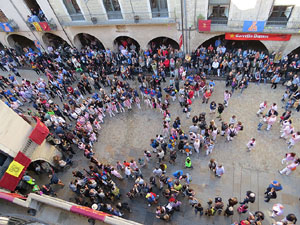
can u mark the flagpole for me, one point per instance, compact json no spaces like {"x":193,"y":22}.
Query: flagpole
{"x":11,"y":2}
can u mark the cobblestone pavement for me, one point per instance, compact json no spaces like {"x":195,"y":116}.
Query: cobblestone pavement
{"x":127,"y":135}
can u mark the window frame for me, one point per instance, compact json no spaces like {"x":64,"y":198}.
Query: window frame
{"x":3,"y":16}
{"x":114,"y":14}
{"x":279,"y":20}
{"x":74,"y":15}
{"x":159,"y":12}
{"x":218,"y":19}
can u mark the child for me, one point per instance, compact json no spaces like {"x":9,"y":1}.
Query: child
{"x":199,"y":208}
{"x":285,"y":96}
{"x":251,"y":144}
{"x":262,"y":120}
{"x":242,"y":209}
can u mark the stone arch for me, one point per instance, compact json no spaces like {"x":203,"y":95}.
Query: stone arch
{"x":162,"y":40}
{"x":20,"y":43}
{"x":256,"y":45}
{"x":54,"y":40}
{"x":126,"y":42}
{"x":85,"y":39}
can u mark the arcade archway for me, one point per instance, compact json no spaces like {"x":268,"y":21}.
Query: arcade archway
{"x":127,"y":43}
{"x":20,"y":43}
{"x":54,"y":41}
{"x":163,"y":41}
{"x":83,"y":40}
{"x":232,"y":44}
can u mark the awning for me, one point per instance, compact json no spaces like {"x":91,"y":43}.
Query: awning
{"x":15,"y":172}
{"x":39,"y":133}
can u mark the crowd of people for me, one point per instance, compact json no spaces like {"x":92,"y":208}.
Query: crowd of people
{"x":77,"y":90}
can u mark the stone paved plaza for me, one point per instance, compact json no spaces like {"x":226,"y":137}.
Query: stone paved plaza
{"x":127,"y":135}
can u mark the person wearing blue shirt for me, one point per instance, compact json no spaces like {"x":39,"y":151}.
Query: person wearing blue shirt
{"x":178,"y":174}
{"x":275,"y":80}
{"x":217,"y":42}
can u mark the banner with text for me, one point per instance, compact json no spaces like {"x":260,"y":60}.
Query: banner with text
{"x":258,"y":37}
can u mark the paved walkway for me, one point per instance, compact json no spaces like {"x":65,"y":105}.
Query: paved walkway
{"x":127,"y":135}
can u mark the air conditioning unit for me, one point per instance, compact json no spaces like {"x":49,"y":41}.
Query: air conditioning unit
{"x":136,"y":19}
{"x":94,"y":20}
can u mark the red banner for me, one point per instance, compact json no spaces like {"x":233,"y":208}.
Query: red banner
{"x":85,"y":211}
{"x":204,"y":25}
{"x":260,"y":37}
{"x":39,"y":133}
{"x":9,"y":180}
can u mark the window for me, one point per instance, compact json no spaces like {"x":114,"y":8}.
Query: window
{"x":36,"y":12}
{"x":3,"y":18}
{"x":159,"y":8}
{"x":218,"y":11}
{"x":280,"y":15}
{"x":73,"y":10}
{"x":113,"y":9}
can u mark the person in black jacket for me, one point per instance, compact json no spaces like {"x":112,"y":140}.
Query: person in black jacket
{"x":250,"y":197}
{"x":270,"y":194}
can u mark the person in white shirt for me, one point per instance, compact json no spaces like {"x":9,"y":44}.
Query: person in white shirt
{"x":215,"y":66}
{"x":220,"y":170}
{"x":277,"y":210}
{"x":197,"y":145}
{"x":288,"y":130}
{"x":262,"y":107}
{"x":289,"y":168}
{"x":270,"y":121}
{"x":294,"y":139}
{"x":251,"y":144}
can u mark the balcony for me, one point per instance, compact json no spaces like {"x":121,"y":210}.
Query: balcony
{"x":277,"y":23}
{"x":219,"y":20}
{"x":119,"y":19}
{"x":50,"y":22}
{"x":270,"y":27}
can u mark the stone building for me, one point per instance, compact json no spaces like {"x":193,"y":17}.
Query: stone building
{"x":108,"y":22}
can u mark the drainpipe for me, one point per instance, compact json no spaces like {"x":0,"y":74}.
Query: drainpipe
{"x":182,"y":28}
{"x":185,"y":27}
{"x":11,"y":2}
{"x":61,"y":24}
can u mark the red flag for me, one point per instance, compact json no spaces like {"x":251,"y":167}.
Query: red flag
{"x":15,"y":172}
{"x":39,"y":133}
{"x":180,"y":42}
{"x":45,"y":26}
{"x":204,"y":25}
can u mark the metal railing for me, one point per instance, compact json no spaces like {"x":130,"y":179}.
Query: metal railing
{"x":114,"y":18}
{"x":218,"y":25}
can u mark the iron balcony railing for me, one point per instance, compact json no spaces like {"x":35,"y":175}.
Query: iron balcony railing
{"x":115,"y":18}
{"x":224,"y":25}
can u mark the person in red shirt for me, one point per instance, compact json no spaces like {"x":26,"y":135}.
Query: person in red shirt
{"x":70,"y":90}
{"x":167,"y":63}
{"x":206,"y":96}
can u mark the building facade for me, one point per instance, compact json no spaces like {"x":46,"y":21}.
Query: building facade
{"x":107,"y":22}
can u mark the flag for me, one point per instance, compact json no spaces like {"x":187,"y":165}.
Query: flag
{"x":45,"y":26}
{"x":39,"y":133}
{"x":180,"y":42}
{"x":37,"y":45}
{"x":15,"y":172}
{"x":253,"y":26}
{"x":6,"y":27}
{"x":37,"y":26}
{"x":204,"y":25}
